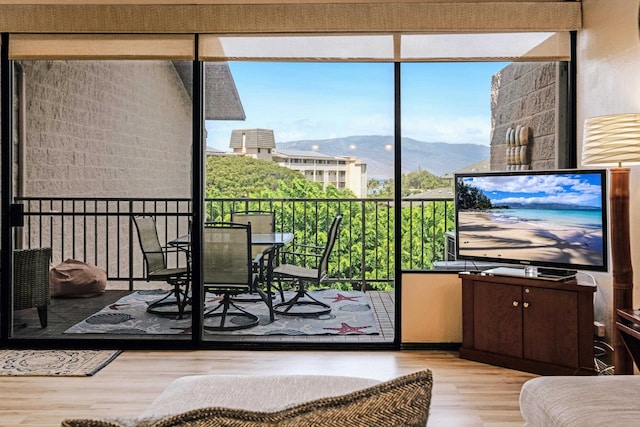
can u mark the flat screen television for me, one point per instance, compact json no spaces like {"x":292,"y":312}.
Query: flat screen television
{"x":549,"y":218}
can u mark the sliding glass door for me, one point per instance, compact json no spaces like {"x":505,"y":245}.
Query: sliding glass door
{"x":100,"y":141}
{"x":313,"y":137}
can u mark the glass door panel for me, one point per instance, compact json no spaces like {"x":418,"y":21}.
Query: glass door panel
{"x":471,"y":117}
{"x":306,"y":144}
{"x":101,"y":140}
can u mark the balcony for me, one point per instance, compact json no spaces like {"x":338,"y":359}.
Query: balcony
{"x":100,"y":231}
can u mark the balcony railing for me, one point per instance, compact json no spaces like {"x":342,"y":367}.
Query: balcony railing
{"x":100,"y":231}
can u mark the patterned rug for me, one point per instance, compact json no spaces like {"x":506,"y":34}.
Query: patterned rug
{"x":47,"y":363}
{"x":350,"y":314}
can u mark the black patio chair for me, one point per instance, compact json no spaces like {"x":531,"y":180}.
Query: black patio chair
{"x":261,"y":222}
{"x":178,"y":300}
{"x":303,"y":304}
{"x":228,"y":271}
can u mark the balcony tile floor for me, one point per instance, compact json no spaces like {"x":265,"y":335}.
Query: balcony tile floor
{"x":65,"y":312}
{"x":383,"y":304}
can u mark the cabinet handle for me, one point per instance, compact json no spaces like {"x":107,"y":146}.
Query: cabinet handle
{"x":515,"y":303}
{"x":526,"y":304}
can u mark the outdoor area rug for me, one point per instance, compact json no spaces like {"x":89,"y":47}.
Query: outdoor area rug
{"x":48,"y":363}
{"x":350,"y":314}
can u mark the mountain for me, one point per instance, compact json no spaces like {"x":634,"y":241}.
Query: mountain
{"x":438,"y":158}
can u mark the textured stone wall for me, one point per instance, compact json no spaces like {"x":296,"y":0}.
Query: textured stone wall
{"x":107,"y":129}
{"x":118,"y":129}
{"x":524,"y":94}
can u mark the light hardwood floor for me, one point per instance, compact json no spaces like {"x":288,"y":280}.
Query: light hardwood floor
{"x":465,"y":393}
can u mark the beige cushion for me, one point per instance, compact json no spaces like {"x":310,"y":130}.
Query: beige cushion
{"x":607,"y":400}
{"x":402,"y":402}
{"x":73,"y":278}
{"x":250,"y":392}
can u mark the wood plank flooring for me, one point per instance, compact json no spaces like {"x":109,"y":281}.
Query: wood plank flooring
{"x":465,"y":393}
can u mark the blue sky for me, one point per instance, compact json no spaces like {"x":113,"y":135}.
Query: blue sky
{"x":441,"y":102}
{"x":575,"y":189}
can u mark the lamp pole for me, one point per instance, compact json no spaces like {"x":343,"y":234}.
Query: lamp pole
{"x":621,"y":263}
{"x":612,"y":140}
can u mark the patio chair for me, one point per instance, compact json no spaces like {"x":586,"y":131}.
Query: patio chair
{"x":261,"y":222}
{"x":303,"y":304}
{"x":228,"y":271}
{"x":176,"y":302}
{"x":31,"y":281}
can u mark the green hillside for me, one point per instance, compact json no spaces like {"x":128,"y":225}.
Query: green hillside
{"x":412,"y":183}
{"x":237,"y":176}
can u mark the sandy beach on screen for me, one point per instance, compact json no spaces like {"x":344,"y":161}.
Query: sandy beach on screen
{"x":479,"y":235}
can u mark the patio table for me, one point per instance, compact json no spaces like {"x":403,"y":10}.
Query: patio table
{"x":267,"y":239}
{"x":274,"y":240}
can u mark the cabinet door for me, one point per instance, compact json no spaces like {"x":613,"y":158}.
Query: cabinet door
{"x":498,"y":318}
{"x":550,"y":326}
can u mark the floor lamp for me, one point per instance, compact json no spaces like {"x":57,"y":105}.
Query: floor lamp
{"x":614,"y":140}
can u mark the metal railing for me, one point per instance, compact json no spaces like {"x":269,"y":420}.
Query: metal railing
{"x":100,"y":231}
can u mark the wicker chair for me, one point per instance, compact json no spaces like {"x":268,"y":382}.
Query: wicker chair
{"x":31,"y":281}
{"x":303,"y":304}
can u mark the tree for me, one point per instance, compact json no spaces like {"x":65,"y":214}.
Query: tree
{"x":240,"y":176}
{"x":412,"y":183}
{"x":471,"y":197}
{"x":420,"y":181}
{"x":236,"y":176}
{"x":367,"y":241}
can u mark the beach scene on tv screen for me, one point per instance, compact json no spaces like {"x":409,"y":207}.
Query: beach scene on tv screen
{"x":555,"y":218}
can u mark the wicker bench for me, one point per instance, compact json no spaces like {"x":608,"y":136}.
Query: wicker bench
{"x":286,"y":400}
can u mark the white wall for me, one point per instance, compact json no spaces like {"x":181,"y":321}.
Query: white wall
{"x":608,"y":70}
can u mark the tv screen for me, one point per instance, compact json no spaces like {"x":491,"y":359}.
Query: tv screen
{"x":551,"y":218}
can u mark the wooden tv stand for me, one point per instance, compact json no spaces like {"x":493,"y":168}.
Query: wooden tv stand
{"x":528,"y":324}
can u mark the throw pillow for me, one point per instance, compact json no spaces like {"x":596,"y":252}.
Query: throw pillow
{"x":401,"y":402}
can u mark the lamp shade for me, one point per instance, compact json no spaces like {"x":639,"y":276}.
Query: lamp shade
{"x":611,"y":140}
